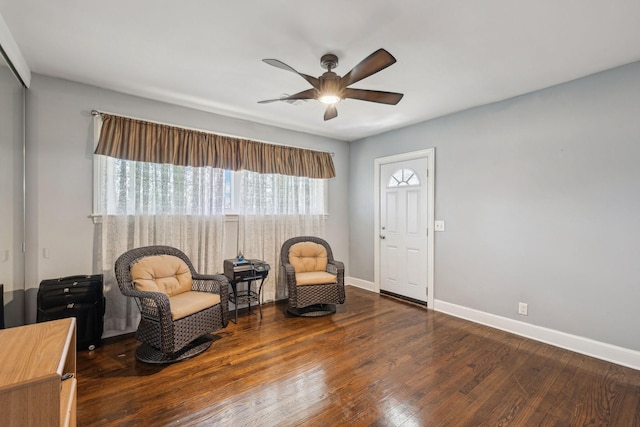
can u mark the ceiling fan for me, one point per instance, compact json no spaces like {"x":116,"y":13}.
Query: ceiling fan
{"x":330,"y":88}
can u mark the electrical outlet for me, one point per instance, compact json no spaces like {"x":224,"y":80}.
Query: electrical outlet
{"x":438,"y":225}
{"x":523,"y":308}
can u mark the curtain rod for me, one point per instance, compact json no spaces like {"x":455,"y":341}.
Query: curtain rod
{"x":100,"y":113}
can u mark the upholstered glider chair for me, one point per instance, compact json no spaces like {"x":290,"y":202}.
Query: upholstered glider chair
{"x":179,"y":308}
{"x":314,"y":279}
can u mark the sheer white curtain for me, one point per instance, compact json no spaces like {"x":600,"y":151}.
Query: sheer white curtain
{"x":141,"y":204}
{"x":272,"y":209}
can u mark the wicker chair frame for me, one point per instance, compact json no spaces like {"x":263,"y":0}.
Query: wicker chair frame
{"x":311,"y":300}
{"x":165,"y":340}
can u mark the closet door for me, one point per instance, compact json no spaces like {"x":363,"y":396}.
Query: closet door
{"x":11,"y":194}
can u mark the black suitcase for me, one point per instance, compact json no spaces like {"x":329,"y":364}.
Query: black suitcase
{"x":81,"y":297}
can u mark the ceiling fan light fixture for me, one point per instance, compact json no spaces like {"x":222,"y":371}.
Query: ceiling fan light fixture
{"x":329,"y":98}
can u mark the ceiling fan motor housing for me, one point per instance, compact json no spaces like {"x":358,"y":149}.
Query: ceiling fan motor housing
{"x":330,"y":85}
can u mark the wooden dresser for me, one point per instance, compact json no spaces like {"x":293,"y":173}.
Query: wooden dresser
{"x":34,"y":359}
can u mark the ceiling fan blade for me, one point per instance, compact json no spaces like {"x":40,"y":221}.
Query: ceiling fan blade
{"x":377,"y":61}
{"x":391,"y":98}
{"x":305,"y":94}
{"x":279,"y":64}
{"x":330,"y":113}
{"x":267,"y":101}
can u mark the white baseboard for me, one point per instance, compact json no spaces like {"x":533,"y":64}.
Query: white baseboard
{"x":599,"y":350}
{"x":611,"y":353}
{"x":359,"y":283}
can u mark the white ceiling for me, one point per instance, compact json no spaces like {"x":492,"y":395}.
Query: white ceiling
{"x":452,"y":54}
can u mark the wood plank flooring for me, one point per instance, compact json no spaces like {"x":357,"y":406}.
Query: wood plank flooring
{"x":376,"y":362}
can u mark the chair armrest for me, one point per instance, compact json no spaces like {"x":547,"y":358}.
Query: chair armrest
{"x":335,"y":267}
{"x":289,"y":279}
{"x":155,"y":296}
{"x":154,"y":305}
{"x":215,"y":284}
{"x":289,"y":270}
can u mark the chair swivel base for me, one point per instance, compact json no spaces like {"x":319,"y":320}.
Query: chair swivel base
{"x":316,"y":310}
{"x":148,"y":354}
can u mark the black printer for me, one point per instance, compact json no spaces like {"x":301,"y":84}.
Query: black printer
{"x":239,"y":270}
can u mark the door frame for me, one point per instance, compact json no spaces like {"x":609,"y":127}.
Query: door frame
{"x":429,"y":153}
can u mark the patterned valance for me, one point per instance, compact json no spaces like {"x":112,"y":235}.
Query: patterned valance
{"x":133,"y":139}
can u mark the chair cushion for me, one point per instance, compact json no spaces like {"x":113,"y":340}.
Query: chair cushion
{"x":186,"y":303}
{"x":161,"y":273}
{"x":308,"y":256}
{"x":315,"y":278}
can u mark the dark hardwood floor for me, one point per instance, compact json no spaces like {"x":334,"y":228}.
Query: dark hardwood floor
{"x":377,"y":361}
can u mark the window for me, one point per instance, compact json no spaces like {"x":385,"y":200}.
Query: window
{"x":125,"y":187}
{"x":271,"y":194}
{"x":403,"y":177}
{"x":228,"y":191}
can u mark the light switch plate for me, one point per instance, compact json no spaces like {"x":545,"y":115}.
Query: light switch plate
{"x":438,"y":225}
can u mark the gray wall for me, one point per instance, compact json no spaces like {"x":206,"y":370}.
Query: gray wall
{"x":541,"y":198}
{"x":59,"y":148}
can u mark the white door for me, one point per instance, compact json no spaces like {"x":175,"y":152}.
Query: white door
{"x":403,"y":228}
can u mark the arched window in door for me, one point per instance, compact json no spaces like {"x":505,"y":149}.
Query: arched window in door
{"x":403,"y":177}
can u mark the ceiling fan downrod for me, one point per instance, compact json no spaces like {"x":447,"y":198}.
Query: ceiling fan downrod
{"x":329,"y":61}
